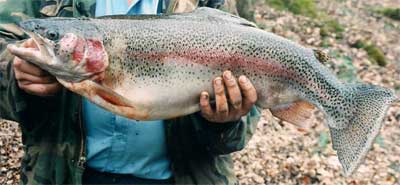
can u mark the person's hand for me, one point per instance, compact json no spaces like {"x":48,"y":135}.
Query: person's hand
{"x":242,"y":97}
{"x":32,"y":79}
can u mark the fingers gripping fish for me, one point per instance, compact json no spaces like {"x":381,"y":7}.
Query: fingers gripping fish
{"x":156,"y":66}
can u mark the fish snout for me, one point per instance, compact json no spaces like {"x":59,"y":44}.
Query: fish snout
{"x":30,"y":25}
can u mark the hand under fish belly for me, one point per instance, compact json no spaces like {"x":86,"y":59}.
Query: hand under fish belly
{"x":159,"y":72}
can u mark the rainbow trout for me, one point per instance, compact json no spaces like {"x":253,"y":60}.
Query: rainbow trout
{"x":156,"y":67}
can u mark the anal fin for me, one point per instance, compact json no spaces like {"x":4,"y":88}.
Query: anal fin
{"x":296,"y":113}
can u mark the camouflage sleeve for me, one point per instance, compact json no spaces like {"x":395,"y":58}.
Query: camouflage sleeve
{"x":11,"y":12}
{"x":11,"y":97}
{"x":212,"y":3}
{"x":226,"y":138}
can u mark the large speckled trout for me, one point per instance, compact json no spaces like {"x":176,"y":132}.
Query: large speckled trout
{"x":156,"y":67}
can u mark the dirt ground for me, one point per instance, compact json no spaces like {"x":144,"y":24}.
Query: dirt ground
{"x":280,"y":153}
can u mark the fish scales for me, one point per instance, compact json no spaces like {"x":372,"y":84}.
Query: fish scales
{"x":156,"y":67}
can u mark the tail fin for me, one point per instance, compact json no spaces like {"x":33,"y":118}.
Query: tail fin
{"x":368,"y":108}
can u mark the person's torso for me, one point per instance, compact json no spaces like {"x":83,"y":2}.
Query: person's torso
{"x":119,"y":145}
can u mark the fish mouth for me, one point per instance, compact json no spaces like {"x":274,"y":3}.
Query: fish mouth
{"x":40,"y":53}
{"x":43,"y":53}
{"x":44,"y":45}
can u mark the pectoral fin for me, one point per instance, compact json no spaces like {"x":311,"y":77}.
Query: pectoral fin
{"x":296,"y":113}
{"x":107,"y":98}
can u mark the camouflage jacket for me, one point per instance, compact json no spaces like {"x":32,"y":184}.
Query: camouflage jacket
{"x":53,"y":132}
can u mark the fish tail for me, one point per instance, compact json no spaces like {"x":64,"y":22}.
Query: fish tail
{"x":357,"y":121}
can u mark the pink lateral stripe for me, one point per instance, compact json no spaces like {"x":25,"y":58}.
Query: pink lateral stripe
{"x":217,"y":59}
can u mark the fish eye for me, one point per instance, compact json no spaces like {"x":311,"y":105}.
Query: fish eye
{"x":52,"y":35}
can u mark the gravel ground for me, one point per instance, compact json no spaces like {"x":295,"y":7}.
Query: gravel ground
{"x":11,"y":152}
{"x":280,"y":153}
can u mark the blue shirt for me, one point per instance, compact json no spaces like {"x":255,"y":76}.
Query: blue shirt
{"x":122,"y":7}
{"x":119,"y":145}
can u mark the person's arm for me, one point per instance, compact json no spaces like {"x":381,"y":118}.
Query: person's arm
{"x":11,"y":98}
{"x":220,"y":139}
{"x":17,"y":77}
{"x":229,"y":125}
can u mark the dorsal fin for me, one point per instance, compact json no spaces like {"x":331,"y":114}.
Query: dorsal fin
{"x":321,"y":56}
{"x":200,"y":14}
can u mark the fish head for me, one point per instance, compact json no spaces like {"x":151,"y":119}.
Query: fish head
{"x":44,"y":28}
{"x":70,"y":49}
